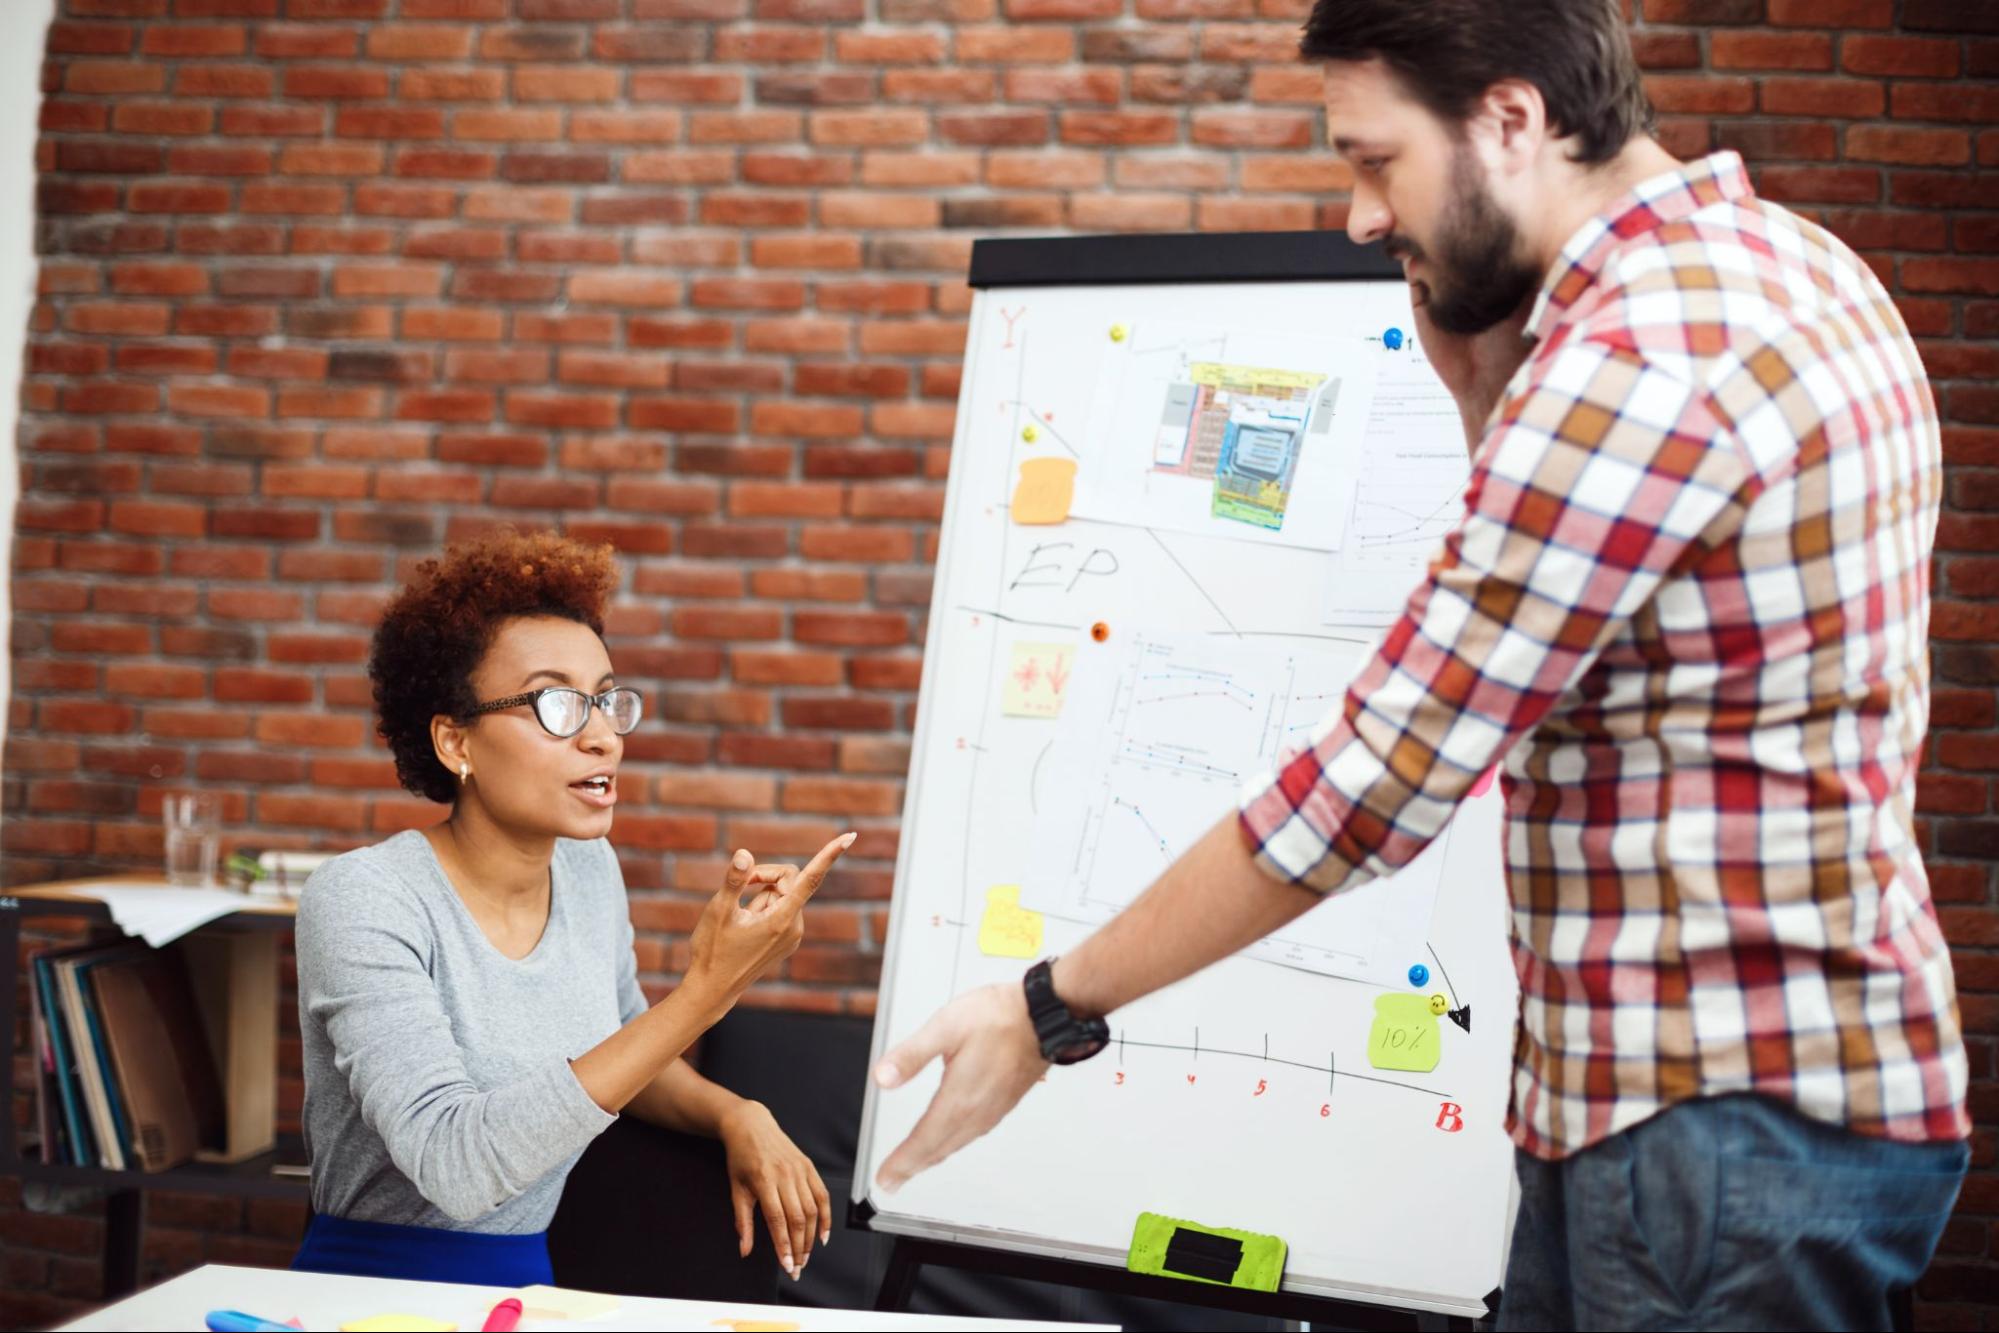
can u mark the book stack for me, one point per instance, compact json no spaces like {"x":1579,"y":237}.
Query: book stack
{"x":126,"y":1078}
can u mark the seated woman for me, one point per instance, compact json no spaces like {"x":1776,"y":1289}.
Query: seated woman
{"x":468,"y":993}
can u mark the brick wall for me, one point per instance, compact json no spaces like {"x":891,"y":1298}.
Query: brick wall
{"x":327,"y":282}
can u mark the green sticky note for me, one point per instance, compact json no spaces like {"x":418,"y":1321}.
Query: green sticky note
{"x":1404,"y":1035}
{"x":1221,"y":1256}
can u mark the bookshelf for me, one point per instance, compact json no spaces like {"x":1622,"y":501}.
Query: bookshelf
{"x":124,"y":1215}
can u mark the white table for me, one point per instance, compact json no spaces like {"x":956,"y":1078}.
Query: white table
{"x":322,"y":1301}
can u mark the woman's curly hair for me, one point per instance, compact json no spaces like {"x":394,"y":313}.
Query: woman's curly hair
{"x":436,"y":631}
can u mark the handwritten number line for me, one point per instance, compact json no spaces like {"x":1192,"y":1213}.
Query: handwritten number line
{"x":1199,"y":1050}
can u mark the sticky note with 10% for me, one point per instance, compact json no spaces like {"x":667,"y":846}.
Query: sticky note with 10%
{"x":1404,"y":1035}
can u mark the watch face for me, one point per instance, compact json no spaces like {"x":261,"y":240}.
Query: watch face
{"x":1081,"y":1049}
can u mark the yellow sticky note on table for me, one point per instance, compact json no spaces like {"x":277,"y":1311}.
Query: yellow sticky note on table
{"x":398,"y":1323}
{"x":1047,"y":488}
{"x":1404,"y":1035}
{"x":1008,"y":930}
{"x":1037,"y":679}
{"x":545,"y":1302}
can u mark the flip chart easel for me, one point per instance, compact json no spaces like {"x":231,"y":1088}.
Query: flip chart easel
{"x":1193,"y":478}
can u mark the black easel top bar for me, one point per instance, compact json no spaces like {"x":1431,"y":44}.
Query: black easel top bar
{"x":1243,"y":256}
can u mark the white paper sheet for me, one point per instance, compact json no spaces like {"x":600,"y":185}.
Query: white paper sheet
{"x":160,"y":914}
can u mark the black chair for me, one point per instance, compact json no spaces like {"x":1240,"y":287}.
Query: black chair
{"x":646,"y":1212}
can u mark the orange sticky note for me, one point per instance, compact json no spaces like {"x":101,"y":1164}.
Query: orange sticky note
{"x":1046,"y":490}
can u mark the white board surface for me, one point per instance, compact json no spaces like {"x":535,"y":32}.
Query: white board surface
{"x":1245,"y":1096}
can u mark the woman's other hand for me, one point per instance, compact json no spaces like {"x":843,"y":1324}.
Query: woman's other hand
{"x":766,"y":1170}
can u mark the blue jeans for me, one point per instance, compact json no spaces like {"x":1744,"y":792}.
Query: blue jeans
{"x":1728,"y":1212}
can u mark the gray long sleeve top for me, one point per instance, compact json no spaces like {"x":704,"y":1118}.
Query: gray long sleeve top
{"x":438,"y":1091}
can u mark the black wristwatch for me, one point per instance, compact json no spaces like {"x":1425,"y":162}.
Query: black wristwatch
{"x":1065,"y":1038}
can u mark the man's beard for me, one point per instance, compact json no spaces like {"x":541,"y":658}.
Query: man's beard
{"x":1477,"y":275}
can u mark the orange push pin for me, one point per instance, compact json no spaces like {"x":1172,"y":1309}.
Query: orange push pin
{"x":1100,"y":631}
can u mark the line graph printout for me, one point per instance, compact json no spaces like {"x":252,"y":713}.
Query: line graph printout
{"x":1238,"y":434}
{"x":1408,"y":493}
{"x":1156,"y":742}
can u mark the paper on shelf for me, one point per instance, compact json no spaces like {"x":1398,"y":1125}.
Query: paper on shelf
{"x":161,"y":914}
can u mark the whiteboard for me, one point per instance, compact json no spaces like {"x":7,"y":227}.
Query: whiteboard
{"x":1247,"y":1096}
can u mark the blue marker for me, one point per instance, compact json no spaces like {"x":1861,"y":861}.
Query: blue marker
{"x":1393,"y":341}
{"x":235,"y":1321}
{"x":1419,"y":975}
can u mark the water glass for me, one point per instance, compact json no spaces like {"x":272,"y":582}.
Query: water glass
{"x":193,"y":836}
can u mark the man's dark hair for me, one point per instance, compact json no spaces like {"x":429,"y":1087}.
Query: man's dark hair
{"x":1448,"y":52}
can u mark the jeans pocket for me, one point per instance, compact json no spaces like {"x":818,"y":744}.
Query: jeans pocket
{"x":1643,"y":1232}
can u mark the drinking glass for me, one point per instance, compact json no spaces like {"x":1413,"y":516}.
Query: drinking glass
{"x":193,"y":836}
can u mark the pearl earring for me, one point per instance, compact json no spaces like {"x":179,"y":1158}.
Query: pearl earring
{"x":465,"y":772}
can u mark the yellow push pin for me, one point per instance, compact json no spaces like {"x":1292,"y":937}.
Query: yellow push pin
{"x":1118,"y":332}
{"x":1438,"y":1004}
{"x":1030,"y":434}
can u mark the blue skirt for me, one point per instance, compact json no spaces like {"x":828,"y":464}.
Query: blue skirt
{"x":427,"y":1254}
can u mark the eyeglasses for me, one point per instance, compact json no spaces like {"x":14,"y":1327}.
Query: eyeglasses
{"x":563,"y":712}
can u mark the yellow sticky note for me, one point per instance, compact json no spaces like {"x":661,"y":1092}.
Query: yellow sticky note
{"x":398,"y":1323}
{"x":1404,"y":1035}
{"x":1047,"y":488}
{"x":544,"y":1302}
{"x":1037,"y":679}
{"x":1008,"y":930}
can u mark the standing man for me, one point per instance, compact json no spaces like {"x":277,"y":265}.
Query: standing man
{"x":1687,"y":608}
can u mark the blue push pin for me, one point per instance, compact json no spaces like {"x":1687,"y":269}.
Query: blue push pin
{"x":1419,"y":975}
{"x":1392,"y":340}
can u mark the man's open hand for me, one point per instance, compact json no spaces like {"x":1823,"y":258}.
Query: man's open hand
{"x":990,"y":1058}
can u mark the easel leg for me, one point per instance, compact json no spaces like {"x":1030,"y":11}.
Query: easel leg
{"x":899,"y":1282}
{"x":124,"y":1233}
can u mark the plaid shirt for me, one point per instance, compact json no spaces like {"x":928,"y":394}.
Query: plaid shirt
{"x":1687,"y":608}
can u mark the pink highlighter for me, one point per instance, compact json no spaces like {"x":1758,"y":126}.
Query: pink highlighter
{"x":503,"y":1318}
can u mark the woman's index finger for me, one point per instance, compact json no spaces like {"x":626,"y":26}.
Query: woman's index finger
{"x":814,"y":874}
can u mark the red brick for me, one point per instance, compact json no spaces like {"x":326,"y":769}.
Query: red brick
{"x":418,"y":41}
{"x":507,"y":124}
{"x":1952,"y":101}
{"x":313,"y":82}
{"x":1700,"y":94}
{"x":1005,"y":43}
{"x":162,"y":118}
{"x":1974,"y":276}
{"x":850,"y":628}
{"x":452,"y":85}
{"x":1831,"y":185}
{"x":684,"y":87}
{"x":990,"y":128}
{"x":1759,"y":140}
{"x":1207,"y":84}
{"x":1842,"y":97}
{"x":766,"y":46}
{"x":1770,"y":50}
{"x":113,"y":77}
{"x":1902,"y":57}
{"x":1833,"y":13}
{"x":1898,"y":143}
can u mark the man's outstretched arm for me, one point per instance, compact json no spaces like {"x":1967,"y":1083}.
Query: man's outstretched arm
{"x":1208,"y":904}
